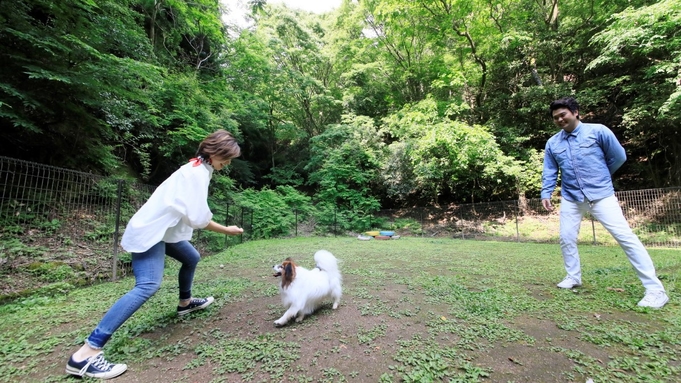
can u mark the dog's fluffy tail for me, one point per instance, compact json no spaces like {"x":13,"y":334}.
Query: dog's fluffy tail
{"x":327,"y":262}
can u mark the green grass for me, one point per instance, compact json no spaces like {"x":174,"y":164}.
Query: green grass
{"x":413,"y":310}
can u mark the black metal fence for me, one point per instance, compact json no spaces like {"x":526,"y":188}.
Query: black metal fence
{"x":57,"y":224}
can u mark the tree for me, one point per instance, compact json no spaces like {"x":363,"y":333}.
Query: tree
{"x":639,"y":70}
{"x":345,"y":168}
{"x":69,"y":92}
{"x":435,"y":159}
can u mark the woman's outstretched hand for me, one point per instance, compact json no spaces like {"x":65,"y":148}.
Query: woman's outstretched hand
{"x":233,"y":230}
{"x":229,"y":230}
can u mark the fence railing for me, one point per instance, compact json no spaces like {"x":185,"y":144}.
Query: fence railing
{"x":61,"y":225}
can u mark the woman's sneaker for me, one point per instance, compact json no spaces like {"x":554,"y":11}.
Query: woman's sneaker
{"x":95,"y":367}
{"x":195,"y":304}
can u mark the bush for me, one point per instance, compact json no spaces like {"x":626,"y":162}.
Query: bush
{"x":274,"y":211}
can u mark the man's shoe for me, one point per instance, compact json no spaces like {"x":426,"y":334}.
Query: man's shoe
{"x":569,"y":283}
{"x":654,"y":299}
{"x":195,"y":304}
{"x":95,"y":367}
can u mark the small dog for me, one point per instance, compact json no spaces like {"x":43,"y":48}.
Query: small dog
{"x":303,"y":291}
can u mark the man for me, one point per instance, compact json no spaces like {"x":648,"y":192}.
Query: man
{"x":587,"y":155}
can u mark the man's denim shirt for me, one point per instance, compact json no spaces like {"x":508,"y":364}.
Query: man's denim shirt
{"x":587,"y":158}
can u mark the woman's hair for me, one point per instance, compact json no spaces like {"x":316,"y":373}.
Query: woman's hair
{"x":566,"y":102}
{"x":220,"y":144}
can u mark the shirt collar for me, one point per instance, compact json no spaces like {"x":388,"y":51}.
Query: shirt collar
{"x":575,"y":132}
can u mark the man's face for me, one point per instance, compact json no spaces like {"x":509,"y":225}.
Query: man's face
{"x":565,"y":119}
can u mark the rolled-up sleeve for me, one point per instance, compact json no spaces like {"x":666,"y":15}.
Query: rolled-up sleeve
{"x":191,"y":198}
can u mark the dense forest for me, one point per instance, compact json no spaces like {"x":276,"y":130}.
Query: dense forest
{"x":377,"y":104}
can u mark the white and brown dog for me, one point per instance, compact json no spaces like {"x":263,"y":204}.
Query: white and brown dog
{"x":303,"y":291}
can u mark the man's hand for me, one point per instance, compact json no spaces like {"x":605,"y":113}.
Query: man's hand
{"x":546,"y":202}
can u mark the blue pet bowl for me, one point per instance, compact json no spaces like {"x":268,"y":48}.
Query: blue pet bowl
{"x":387,"y":233}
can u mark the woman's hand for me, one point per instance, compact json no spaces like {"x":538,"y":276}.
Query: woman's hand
{"x":229,"y":230}
{"x":233,"y":230}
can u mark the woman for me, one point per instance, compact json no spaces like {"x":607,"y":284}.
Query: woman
{"x":164,"y":225}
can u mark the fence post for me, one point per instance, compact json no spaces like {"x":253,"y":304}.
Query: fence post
{"x":241,"y":237}
{"x":517,"y":226}
{"x":335,"y":220}
{"x":115,"y":238}
{"x":593,"y":229}
{"x":296,"y":222}
{"x":227,"y":224}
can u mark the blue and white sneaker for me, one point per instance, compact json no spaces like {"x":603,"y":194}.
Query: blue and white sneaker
{"x":95,"y":367}
{"x":195,"y":304}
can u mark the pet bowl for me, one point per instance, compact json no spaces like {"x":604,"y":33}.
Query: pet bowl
{"x":372,"y":233}
{"x":382,"y":237}
{"x":395,"y":237}
{"x":388,"y":233}
{"x":364,"y":237}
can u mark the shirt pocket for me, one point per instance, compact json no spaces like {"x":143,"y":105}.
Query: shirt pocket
{"x":560,"y":154}
{"x":591,"y":153}
{"x":589,"y":143}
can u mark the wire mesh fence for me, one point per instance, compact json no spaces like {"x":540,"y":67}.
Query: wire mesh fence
{"x":58,"y":224}
{"x":60,"y":227}
{"x":653,"y":214}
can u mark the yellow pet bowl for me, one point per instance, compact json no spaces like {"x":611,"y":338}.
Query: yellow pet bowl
{"x":372,"y":233}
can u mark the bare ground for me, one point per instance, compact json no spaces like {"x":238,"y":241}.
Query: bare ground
{"x":329,"y":342}
{"x":385,"y":330}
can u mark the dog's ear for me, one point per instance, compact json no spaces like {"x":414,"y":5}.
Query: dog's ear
{"x":289,"y":272}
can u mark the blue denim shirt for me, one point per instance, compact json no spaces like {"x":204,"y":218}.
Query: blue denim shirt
{"x":587,"y":158}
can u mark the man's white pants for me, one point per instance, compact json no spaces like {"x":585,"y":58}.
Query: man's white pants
{"x":609,"y":213}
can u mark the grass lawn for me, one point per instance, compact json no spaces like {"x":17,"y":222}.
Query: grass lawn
{"x":413,"y":310}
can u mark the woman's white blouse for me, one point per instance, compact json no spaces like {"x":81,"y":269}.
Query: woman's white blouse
{"x":177,"y":207}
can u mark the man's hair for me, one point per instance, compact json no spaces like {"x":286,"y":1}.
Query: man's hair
{"x":220,"y":144}
{"x":566,"y":102}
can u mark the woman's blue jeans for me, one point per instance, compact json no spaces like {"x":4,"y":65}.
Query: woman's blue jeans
{"x":148,"y":269}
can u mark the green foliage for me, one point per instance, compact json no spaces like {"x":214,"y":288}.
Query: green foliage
{"x":273,"y":212}
{"x":50,"y":227}
{"x":437,"y":156}
{"x":51,"y":271}
{"x":422,"y":101}
{"x":642,"y":47}
{"x":15,"y":248}
{"x":41,"y":86}
{"x":345,"y":168}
